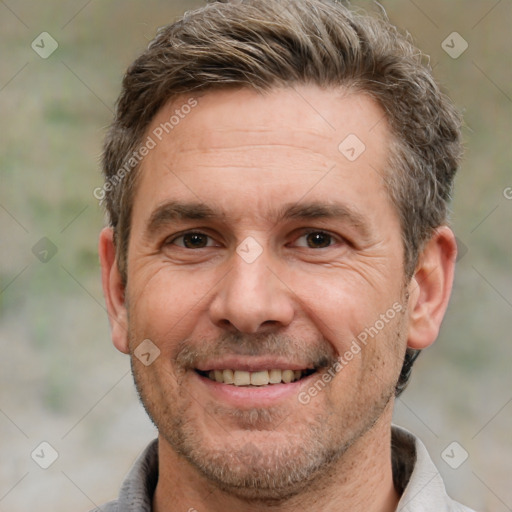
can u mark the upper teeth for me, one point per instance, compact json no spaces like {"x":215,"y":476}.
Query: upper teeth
{"x":261,"y":378}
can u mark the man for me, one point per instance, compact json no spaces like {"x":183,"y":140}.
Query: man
{"x":277,"y":182}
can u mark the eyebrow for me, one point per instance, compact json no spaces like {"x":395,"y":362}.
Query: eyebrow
{"x":173,"y":211}
{"x":320,"y":210}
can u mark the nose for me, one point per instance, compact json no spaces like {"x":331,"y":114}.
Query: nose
{"x":251,"y":298}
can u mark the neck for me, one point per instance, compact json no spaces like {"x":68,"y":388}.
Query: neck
{"x":361,"y":480}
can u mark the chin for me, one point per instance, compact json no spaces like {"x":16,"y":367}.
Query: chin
{"x":265,"y":466}
{"x":264,"y":473}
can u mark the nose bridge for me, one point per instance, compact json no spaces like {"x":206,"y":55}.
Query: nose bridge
{"x":250,"y":279}
{"x":251,"y":295}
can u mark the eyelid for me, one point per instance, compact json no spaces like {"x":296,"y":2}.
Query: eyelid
{"x":308,"y":231}
{"x":336,"y":239}
{"x":172,"y":238}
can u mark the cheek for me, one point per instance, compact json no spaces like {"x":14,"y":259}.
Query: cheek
{"x":359,"y":318}
{"x":370,"y":364}
{"x":164,"y":305}
{"x":342,"y":304}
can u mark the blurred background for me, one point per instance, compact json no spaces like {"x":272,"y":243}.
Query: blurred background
{"x":61,"y":380}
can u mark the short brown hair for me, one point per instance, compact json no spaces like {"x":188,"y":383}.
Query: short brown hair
{"x":261,"y":44}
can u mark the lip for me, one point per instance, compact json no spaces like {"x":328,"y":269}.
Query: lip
{"x":242,"y":397}
{"x":252,"y":364}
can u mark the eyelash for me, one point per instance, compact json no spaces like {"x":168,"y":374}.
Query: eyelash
{"x":334,"y":238}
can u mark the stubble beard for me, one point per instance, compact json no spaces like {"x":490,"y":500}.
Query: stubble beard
{"x":256,"y":472}
{"x":268,"y":473}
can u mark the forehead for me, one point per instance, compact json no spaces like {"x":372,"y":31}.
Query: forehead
{"x":241,"y":148}
{"x":317,"y":119}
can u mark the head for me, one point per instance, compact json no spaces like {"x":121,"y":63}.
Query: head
{"x":199,"y":141}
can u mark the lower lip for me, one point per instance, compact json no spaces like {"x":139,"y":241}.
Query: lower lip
{"x":247,"y":397}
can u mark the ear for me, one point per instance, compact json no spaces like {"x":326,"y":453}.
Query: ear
{"x":113,"y":290}
{"x":430,"y":288}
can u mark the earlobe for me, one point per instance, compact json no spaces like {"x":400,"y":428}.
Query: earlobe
{"x":430,"y":288}
{"x":113,"y":289}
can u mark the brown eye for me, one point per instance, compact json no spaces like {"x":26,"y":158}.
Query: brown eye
{"x":318,"y":240}
{"x":192,"y":240}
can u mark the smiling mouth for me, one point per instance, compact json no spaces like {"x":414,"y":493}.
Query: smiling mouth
{"x":257,"y":379}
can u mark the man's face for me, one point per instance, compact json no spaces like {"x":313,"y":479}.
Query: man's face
{"x":260,"y":243}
